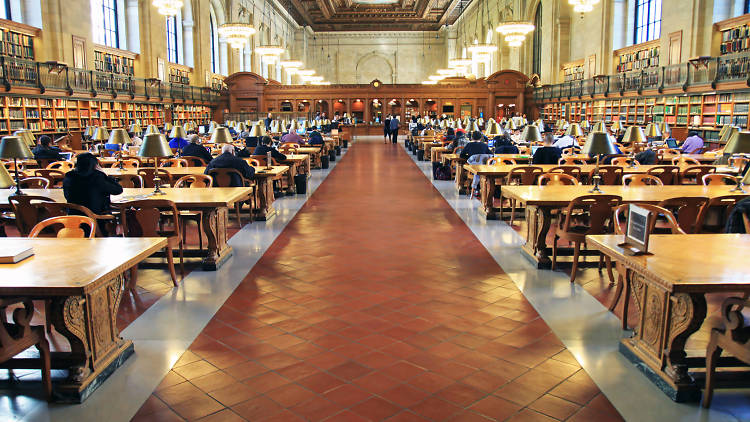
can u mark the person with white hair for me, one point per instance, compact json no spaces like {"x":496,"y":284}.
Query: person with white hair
{"x":228,"y":160}
{"x":195,"y":149}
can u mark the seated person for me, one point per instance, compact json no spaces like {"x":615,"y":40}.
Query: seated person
{"x":195,"y":149}
{"x":504,"y":145}
{"x":646,"y":157}
{"x":232,"y":131}
{"x":227,"y":160}
{"x":135,"y":140}
{"x":46,"y":152}
{"x":450,"y":135}
{"x":692,"y":144}
{"x":87,"y":185}
{"x":292,"y":136}
{"x":476,"y":146}
{"x":266,"y":146}
{"x":548,"y":153}
{"x":458,"y":141}
{"x":565,"y":141}
{"x":252,"y":141}
{"x":178,"y":143}
{"x":315,"y":138}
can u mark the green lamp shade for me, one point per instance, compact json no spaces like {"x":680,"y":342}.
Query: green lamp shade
{"x":100,"y":134}
{"x":531,"y":134}
{"x":154,"y":146}
{"x":221,"y":135}
{"x":634,"y":134}
{"x":177,"y":132}
{"x":6,"y":180}
{"x":118,"y":136}
{"x":258,"y":129}
{"x":652,"y":130}
{"x":135,"y":128}
{"x":14,"y":147}
{"x":151,"y":129}
{"x":599,"y":127}
{"x":728,"y":134}
{"x":599,"y":143}
{"x":739,"y":143}
{"x":574,"y":130}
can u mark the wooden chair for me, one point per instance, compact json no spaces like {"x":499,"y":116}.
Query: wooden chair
{"x":10,"y":166}
{"x":669,"y":175}
{"x":641,"y":180}
{"x":557,"y":179}
{"x":574,"y":171}
{"x":599,"y":210}
{"x":253,"y":162}
{"x":18,"y":335}
{"x":624,"y":161}
{"x":719,"y":179}
{"x":571,"y":151}
{"x":106,"y":153}
{"x":610,"y":175}
{"x":193,"y":181}
{"x":71,"y":226}
{"x":60,"y":165}
{"x":726,"y":202}
{"x":497,"y":161}
{"x":740,"y":162}
{"x":128,"y":163}
{"x":521,"y":175}
{"x":694,"y":174}
{"x":55,"y":177}
{"x":130,"y":180}
{"x":194,"y":161}
{"x":686,"y":210}
{"x":34,"y":183}
{"x":147,"y":174}
{"x":27,"y":211}
{"x":676,"y":161}
{"x":146,"y":218}
{"x":571,"y":161}
{"x":174,"y":162}
{"x":620,"y":214}
{"x":730,"y":331}
{"x":222,"y":177}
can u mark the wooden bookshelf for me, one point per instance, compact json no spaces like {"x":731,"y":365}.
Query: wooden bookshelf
{"x":179,"y":74}
{"x":733,"y":35}
{"x":59,"y":115}
{"x":17,"y":39}
{"x":182,"y":114}
{"x":637,"y":57}
{"x":112,"y":60}
{"x":573,"y":71}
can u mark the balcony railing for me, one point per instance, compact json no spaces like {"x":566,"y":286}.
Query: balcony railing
{"x":44,"y":76}
{"x":703,"y":71}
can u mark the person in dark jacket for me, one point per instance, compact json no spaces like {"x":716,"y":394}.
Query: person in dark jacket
{"x":547,"y":154}
{"x":504,"y":145}
{"x":252,"y":141}
{"x":266,"y":146}
{"x":267,"y":122}
{"x":476,"y":146}
{"x":394,"y":129}
{"x":315,"y":138}
{"x":44,"y":151}
{"x":195,"y":149}
{"x":736,"y":220}
{"x":227,"y":160}
{"x":386,"y":129}
{"x":87,"y":185}
{"x":646,"y":157}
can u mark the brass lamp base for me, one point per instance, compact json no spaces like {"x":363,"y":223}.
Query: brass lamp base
{"x":596,"y":189}
{"x":157,"y":187}
{"x":738,"y":188}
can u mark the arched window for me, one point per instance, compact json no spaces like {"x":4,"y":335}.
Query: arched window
{"x":214,"y":44}
{"x":104,"y":22}
{"x":747,"y":6}
{"x":536,"y":61}
{"x":647,"y":20}
{"x":172,"y":42}
{"x":5,"y":10}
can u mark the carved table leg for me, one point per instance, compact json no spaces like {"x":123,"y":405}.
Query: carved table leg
{"x":265,"y":199}
{"x":460,"y":178}
{"x":293,"y":171}
{"x":538,"y":222}
{"x":686,"y":314}
{"x":487,"y":198}
{"x":215,"y":226}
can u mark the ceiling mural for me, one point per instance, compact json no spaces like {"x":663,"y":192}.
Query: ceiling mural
{"x":375,"y":15}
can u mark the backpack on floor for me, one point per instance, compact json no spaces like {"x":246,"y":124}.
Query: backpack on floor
{"x":442,"y":172}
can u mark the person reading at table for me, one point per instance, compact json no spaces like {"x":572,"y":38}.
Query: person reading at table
{"x":315,"y":138}
{"x":87,"y":185}
{"x":44,"y":151}
{"x":692,"y":144}
{"x":565,"y":141}
{"x":548,"y":153}
{"x":227,"y":160}
{"x":291,"y":137}
{"x":266,"y":146}
{"x":195,"y":149}
{"x":504,"y":145}
{"x":178,"y":143}
{"x":476,"y":146}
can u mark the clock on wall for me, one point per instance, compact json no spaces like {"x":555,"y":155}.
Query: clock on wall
{"x":376,"y":84}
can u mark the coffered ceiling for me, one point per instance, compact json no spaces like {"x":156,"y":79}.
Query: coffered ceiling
{"x":375,"y":15}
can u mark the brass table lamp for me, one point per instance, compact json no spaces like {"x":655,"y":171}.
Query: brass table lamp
{"x":135,"y":129}
{"x":155,"y":146}
{"x":259,"y":129}
{"x":119,"y":137}
{"x":15,"y":148}
{"x":221,"y":135}
{"x":493,"y":129}
{"x":531,"y":134}
{"x":151,"y":129}
{"x":6,"y":180}
{"x":633,"y":135}
{"x":598,"y":143}
{"x":574,"y":130}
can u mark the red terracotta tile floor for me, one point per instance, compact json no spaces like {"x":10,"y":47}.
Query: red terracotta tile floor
{"x":377,"y":303}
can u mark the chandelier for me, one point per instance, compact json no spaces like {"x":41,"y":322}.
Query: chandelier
{"x":236,"y":34}
{"x":429,"y":82}
{"x":583,"y":6}
{"x":459,"y":63}
{"x":269,"y":50}
{"x":168,"y":7}
{"x":446,"y":72}
{"x":482,"y":49}
{"x":291,"y":64}
{"x":306,"y":72}
{"x":515,"y":32}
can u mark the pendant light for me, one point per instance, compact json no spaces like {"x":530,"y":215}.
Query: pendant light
{"x":168,"y":8}
{"x":237,"y":34}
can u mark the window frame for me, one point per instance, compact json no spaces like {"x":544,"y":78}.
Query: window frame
{"x":213,"y":44}
{"x":647,"y":29}
{"x":172,"y":40}
{"x":536,"y":46}
{"x":113,"y":13}
{"x":8,"y":15}
{"x":747,"y":7}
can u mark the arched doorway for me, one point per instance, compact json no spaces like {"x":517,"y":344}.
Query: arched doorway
{"x":411,"y":109}
{"x":339,"y":107}
{"x":430,"y":108}
{"x":376,"y":111}
{"x":358,"y":110}
{"x":321,"y":106}
{"x":394,"y":108}
{"x":286,"y":106}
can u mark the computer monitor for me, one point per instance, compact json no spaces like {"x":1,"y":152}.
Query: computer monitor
{"x":491,"y":143}
{"x":66,"y":156}
{"x":672,"y":143}
{"x":201,"y":130}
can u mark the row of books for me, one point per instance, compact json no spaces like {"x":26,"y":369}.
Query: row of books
{"x":639,"y":60}
{"x":735,"y":40}
{"x":105,"y":62}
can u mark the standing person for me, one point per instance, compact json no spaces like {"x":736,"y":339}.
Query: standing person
{"x":386,"y":129}
{"x":268,"y":121}
{"x":394,"y":129}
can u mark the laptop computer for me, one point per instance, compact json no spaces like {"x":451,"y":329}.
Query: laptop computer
{"x":672,"y":143}
{"x":66,"y":156}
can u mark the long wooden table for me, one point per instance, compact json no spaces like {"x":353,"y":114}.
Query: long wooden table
{"x":314,"y":152}
{"x":669,"y":288}
{"x":491,"y":176}
{"x":84,"y":280}
{"x":214,"y":203}
{"x":539,"y":201}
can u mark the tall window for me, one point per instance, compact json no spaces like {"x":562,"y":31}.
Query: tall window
{"x":647,"y":20}
{"x":5,"y":9}
{"x":104,"y":22}
{"x":747,"y":6}
{"x":537,"y":42}
{"x":213,"y":44}
{"x":172,"y":40}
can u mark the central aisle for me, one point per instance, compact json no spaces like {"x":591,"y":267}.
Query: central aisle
{"x":377,"y":302}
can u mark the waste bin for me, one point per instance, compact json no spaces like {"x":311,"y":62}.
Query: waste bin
{"x":324,"y":161}
{"x":332,"y":155}
{"x":300,"y":182}
{"x":338,"y":150}
{"x":346,"y":143}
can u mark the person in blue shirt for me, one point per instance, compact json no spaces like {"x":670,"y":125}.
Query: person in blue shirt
{"x":266,"y":146}
{"x":548,"y":153}
{"x":315,"y":138}
{"x":46,"y":152}
{"x":504,"y":145}
{"x":476,"y":146}
{"x":394,"y":129}
{"x":232,"y":132}
{"x":178,"y":143}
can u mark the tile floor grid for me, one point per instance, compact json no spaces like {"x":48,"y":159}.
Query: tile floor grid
{"x":379,"y":325}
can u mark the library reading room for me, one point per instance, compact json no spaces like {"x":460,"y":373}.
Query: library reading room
{"x":374,"y":210}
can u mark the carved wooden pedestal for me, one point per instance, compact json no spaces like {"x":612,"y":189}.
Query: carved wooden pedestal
{"x":461,"y":179}
{"x":538,"y":223}
{"x":265,"y":209}
{"x":215,"y":222}
{"x":487,"y":198}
